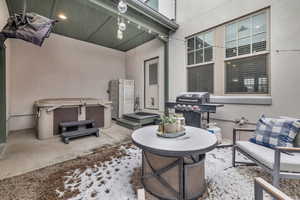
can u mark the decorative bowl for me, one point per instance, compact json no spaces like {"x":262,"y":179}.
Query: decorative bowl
{"x":171,"y":135}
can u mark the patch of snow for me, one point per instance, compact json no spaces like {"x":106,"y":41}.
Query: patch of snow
{"x":111,"y":179}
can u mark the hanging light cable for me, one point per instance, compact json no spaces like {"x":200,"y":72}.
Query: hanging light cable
{"x":121,"y":24}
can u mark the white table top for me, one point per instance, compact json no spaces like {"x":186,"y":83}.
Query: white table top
{"x":195,"y":141}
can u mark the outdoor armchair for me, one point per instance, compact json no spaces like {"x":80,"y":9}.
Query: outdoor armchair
{"x":281,"y":162}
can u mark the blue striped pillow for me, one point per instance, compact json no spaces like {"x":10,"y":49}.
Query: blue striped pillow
{"x":272,"y":132}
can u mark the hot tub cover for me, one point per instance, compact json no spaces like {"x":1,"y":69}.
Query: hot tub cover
{"x":58,"y":102}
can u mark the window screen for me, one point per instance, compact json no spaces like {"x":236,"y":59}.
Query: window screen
{"x":153,"y":74}
{"x":247,"y":75}
{"x":200,"y":79}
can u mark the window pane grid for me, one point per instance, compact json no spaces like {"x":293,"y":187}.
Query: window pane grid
{"x":199,"y":48}
{"x":249,"y":34}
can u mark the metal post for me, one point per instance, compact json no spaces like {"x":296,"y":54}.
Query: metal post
{"x":276,"y":169}
{"x":166,"y":75}
{"x":233,"y":147}
{"x":258,"y":191}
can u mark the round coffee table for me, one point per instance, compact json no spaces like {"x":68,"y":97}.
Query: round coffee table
{"x":173,"y":168}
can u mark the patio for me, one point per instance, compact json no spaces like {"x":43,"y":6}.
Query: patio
{"x":149,"y":99}
{"x":114,"y":173}
{"x":23,"y":149}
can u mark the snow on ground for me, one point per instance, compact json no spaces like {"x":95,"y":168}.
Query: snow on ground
{"x":111,"y":179}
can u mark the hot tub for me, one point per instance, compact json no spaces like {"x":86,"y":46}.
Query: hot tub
{"x":51,"y":112}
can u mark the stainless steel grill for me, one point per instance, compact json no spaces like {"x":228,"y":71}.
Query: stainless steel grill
{"x":193,"y":105}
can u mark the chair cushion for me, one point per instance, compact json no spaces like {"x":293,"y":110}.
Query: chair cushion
{"x":297,"y":139}
{"x":265,"y":155}
{"x":272,"y":132}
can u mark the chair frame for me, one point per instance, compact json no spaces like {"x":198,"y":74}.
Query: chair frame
{"x":275,"y":172}
{"x":261,"y":185}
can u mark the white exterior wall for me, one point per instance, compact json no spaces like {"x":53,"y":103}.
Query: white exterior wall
{"x":167,"y":8}
{"x":195,"y":16}
{"x":135,"y":68}
{"x":3,"y":19}
{"x":61,"y":68}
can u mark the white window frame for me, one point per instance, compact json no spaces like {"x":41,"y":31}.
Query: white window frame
{"x":267,"y":12}
{"x":251,"y":54}
{"x":203,"y":48}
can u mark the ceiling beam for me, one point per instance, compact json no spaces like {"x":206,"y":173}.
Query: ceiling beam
{"x":99,"y":28}
{"x":129,"y":40}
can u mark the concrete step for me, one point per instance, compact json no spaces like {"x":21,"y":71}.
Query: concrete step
{"x":128,"y":124}
{"x":77,"y":123}
{"x":79,"y":133}
{"x":148,"y":118}
{"x":131,"y":119}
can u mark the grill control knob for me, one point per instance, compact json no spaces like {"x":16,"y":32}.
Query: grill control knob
{"x":189,"y":108}
{"x":196,"y":108}
{"x":178,"y":107}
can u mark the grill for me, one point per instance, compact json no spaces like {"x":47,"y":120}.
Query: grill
{"x":193,"y":105}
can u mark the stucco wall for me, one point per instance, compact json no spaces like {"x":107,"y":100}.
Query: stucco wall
{"x":135,"y":68}
{"x":195,"y":16}
{"x":3,"y":19}
{"x":62,"y":67}
{"x":167,"y":8}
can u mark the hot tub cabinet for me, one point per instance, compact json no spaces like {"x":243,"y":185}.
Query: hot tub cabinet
{"x":50,"y":112}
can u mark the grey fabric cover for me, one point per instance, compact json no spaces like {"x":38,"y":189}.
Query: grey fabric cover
{"x":33,"y":28}
{"x":266,"y":156}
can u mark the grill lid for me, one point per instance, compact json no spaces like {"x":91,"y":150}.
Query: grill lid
{"x":194,"y":96}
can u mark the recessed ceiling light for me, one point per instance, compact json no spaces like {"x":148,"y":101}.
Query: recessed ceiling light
{"x":62,"y":16}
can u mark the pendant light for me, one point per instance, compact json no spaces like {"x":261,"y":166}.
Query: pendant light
{"x":120,"y":34}
{"x":121,"y":24}
{"x":122,"y":6}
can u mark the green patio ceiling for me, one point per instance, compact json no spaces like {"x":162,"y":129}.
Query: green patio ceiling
{"x":89,"y":21}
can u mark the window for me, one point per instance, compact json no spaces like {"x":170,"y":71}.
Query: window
{"x":200,"y":48}
{"x":200,"y":79}
{"x":237,"y":51}
{"x":247,"y":75}
{"x":153,"y":74}
{"x":246,"y":36}
{"x":152,"y":3}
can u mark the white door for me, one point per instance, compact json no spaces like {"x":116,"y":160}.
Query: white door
{"x":152,"y":84}
{"x":126,"y":97}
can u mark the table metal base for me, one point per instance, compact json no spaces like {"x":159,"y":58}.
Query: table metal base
{"x":173,"y":178}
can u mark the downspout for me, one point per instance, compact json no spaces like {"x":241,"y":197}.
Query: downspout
{"x":166,"y":74}
{"x":2,"y":91}
{"x":175,"y":10}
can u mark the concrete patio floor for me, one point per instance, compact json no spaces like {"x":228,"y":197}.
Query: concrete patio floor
{"x":24,"y":152}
